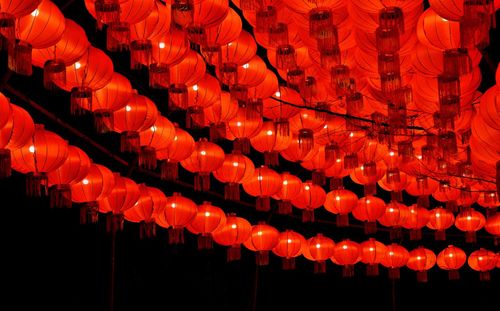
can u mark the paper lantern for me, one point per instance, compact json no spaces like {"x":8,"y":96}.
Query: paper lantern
{"x":372,"y":252}
{"x":451,"y":259}
{"x":235,"y":169}
{"x":270,"y":142}
{"x":243,"y":127}
{"x":291,"y":187}
{"x":492,"y":226}
{"x":218,"y":114}
{"x":421,"y":259}
{"x":187,"y":72}
{"x":395,"y":217}
{"x":482,"y":261}
{"x":346,"y":254}
{"x":264,"y":183}
{"x":416,"y":220}
{"x":178,"y":212}
{"x":208,"y":219}
{"x":319,"y":249}
{"x":180,"y":149}
{"x":236,"y":231}
{"x":440,"y":219}
{"x":159,"y":136}
{"x":470,"y":221}
{"x":263,"y":238}
{"x":396,"y":256}
{"x":310,"y":198}
{"x":290,"y":245}
{"x":369,"y":209}
{"x":341,"y":202}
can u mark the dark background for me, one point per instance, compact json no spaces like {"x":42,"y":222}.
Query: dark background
{"x":53,"y":262}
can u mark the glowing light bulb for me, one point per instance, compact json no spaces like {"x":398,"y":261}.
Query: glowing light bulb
{"x":419,"y":157}
{"x":277,"y":94}
{"x":318,"y":245}
{"x":35,"y":13}
{"x":207,"y":214}
{"x":450,"y":255}
{"x":246,"y":66}
{"x":391,"y":253}
{"x":31,"y":149}
{"x":289,"y":241}
{"x":351,"y":134}
{"x":419,"y":258}
{"x":85,"y":181}
{"x":469,"y":218}
{"x":153,"y":128}
{"x":480,"y":258}
{"x":78,"y":65}
{"x":259,"y":233}
{"x":326,"y":126}
{"x":203,"y":152}
{"x":337,"y":198}
{"x":269,"y":133}
{"x":234,"y":226}
{"x":235,"y":164}
{"x":391,"y":210}
{"x":371,"y":249}
{"x":128,"y":108}
{"x":238,"y":123}
{"x":344,"y":246}
{"x":307,"y":188}
{"x":368,"y":201}
{"x":444,"y":19}
{"x":161,"y":45}
{"x":173,"y":205}
{"x":338,"y":160}
{"x":391,"y":153}
{"x":195,"y":87}
{"x":285,"y":182}
{"x":175,"y":138}
{"x":259,"y":178}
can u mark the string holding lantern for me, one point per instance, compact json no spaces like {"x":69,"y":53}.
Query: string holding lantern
{"x":235,"y":169}
{"x":263,"y":184}
{"x":235,"y":232}
{"x":208,"y":219}
{"x":421,"y":259}
{"x":346,"y":253}
{"x":319,"y":249}
{"x":310,"y":198}
{"x":289,"y":246}
{"x":263,"y":238}
{"x":181,"y":148}
{"x":482,"y":261}
{"x":451,"y":259}
{"x":178,"y":213}
{"x":341,"y":202}
{"x":291,"y":187}
{"x":372,"y":252}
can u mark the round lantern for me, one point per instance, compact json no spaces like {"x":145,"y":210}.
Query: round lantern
{"x":451,"y":259}
{"x":470,"y":221}
{"x":492,"y":226}
{"x":372,"y":252}
{"x":178,"y":212}
{"x":396,"y":256}
{"x":159,"y":136}
{"x":320,"y":161}
{"x":264,"y":183}
{"x":395,"y":216}
{"x":290,"y":245}
{"x":263,"y":238}
{"x":207,"y":220}
{"x":291,"y":187}
{"x":482,"y":261}
{"x":206,"y":158}
{"x":43,"y":153}
{"x":270,"y":142}
{"x":440,"y":219}
{"x":421,"y":259}
{"x":346,"y":254}
{"x":369,"y":209}
{"x":416,"y":220}
{"x":235,"y":232}
{"x":218,"y":114}
{"x":235,"y":169}
{"x":243,"y":127}
{"x":180,"y":149}
{"x":319,"y":249}
{"x":187,"y":72}
{"x":310,"y":198}
{"x":341,"y":202}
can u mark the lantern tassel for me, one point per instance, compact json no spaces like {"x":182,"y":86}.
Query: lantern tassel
{"x":308,"y":215}
{"x":205,"y":241}
{"x":452,"y":206}
{"x":232,"y":191}
{"x":306,"y":140}
{"x":233,"y":253}
{"x":129,"y":142}
{"x":169,"y":170}
{"x":470,"y":237}
{"x":372,"y":270}
{"x":422,"y":276}
{"x":60,"y":196}
{"x":342,"y":220}
{"x":348,"y":271}
{"x":147,"y":157}
{"x":36,"y":185}
{"x":262,"y":258}
{"x":54,"y":70}
{"x":288,"y":264}
{"x":484,"y":276}
{"x":19,"y":60}
{"x":81,"y":100}
{"x":284,"y":207}
{"x":5,"y":163}
{"x":147,"y":230}
{"x":89,"y":213}
{"x":395,"y":234}
{"x":282,"y":126}
{"x":394,"y":273}
{"x":195,"y":117}
{"x":415,"y":234}
{"x":103,"y":121}
{"x":175,"y":236}
{"x":202,"y":181}
{"x":440,"y":235}
{"x":453,"y":275}
{"x":114,"y":223}
{"x":370,"y":189}
{"x":271,"y":158}
{"x":320,"y":267}
{"x":350,"y":161}
{"x":318,"y":177}
{"x":242,"y":145}
{"x":336,"y":183}
{"x":217,"y":131}
{"x":263,"y":204}
{"x":140,"y":53}
{"x":370,"y":227}
{"x":159,"y":76}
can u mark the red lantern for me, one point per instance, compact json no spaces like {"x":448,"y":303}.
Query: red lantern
{"x":396,"y":256}
{"x":395,"y":217}
{"x":291,"y":187}
{"x":180,"y":149}
{"x":482,"y":261}
{"x":218,"y":114}
{"x":208,"y":219}
{"x":74,"y":169}
{"x":243,"y":127}
{"x":451,"y":259}
{"x":277,"y":109}
{"x":319,"y":249}
{"x":470,"y":221}
{"x":341,"y":202}
{"x":207,"y":157}
{"x":440,"y":219}
{"x":236,"y":231}
{"x":290,"y":245}
{"x":264,"y":183}
{"x":347,"y":254}
{"x":263,"y":238}
{"x":368,"y":181}
{"x":146,"y":210}
{"x":43,"y":153}
{"x":159,"y":136}
{"x":320,"y":161}
{"x":235,"y":169}
{"x":447,"y":194}
{"x":310,"y":198}
{"x":372,"y":253}
{"x":369,"y":209}
{"x":421,"y":259}
{"x":215,"y":37}
{"x":270,"y":142}
{"x":489,"y":200}
{"x":417,"y":219}
{"x":178,"y":212}
{"x":95,"y":186}
{"x":187,"y":72}
{"x":294,"y":153}
{"x":492,"y":226}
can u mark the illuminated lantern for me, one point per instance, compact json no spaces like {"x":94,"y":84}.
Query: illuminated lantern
{"x":168,"y":49}
{"x":115,"y":95}
{"x":489,"y":200}
{"x":266,"y":88}
{"x":305,"y":123}
{"x":146,"y":210}
{"x":470,"y":221}
{"x":346,"y":254}
{"x":74,"y":169}
{"x":482,"y":261}
{"x":270,"y":142}
{"x":310,"y":198}
{"x":451,"y":259}
{"x":218,"y":114}
{"x":440,"y":219}
{"x":16,"y":133}
{"x":42,"y":154}
{"x":195,"y":16}
{"x":369,"y":209}
{"x":264,"y":183}
{"x":421,"y":259}
{"x":206,"y":158}
{"x":5,"y":109}
{"x":337,"y":172}
{"x":372,"y":252}
{"x":371,"y":153}
{"x":42,"y":28}
{"x":341,"y":202}
{"x":88,"y":74}
{"x":54,"y":59}
{"x":492,"y":226}
{"x":159,"y":136}
{"x":395,"y":216}
{"x":235,"y":169}
{"x":421,"y":187}
{"x":234,"y":54}
{"x":122,"y":197}
{"x":320,"y":161}
{"x":290,"y":245}
{"x":252,"y":73}
{"x":187,"y":72}
{"x":208,"y":219}
{"x":447,"y":194}
{"x":437,"y":32}
{"x":369,"y":182}
{"x":319,"y":249}
{"x":263,"y":238}
{"x":95,"y":186}
{"x":243,"y":127}
{"x":235,"y":232}
{"x":180,"y":149}
{"x":291,"y":187}
{"x":416,"y":220}
{"x":394,"y":181}
{"x":178,"y":212}
{"x":396,"y":256}
{"x":294,"y":153}
{"x":277,"y":109}
{"x":215,"y":37}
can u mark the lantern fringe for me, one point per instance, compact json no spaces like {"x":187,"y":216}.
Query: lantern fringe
{"x":205,"y":241}
{"x":178,"y":97}
{"x":147,"y":157}
{"x":147,"y":229}
{"x":342,"y":220}
{"x":397,"y":196}
{"x":89,"y":213}
{"x":423,"y":201}
{"x":107,"y":11}
{"x":440,"y":235}
{"x":81,"y":100}
{"x":233,"y":253}
{"x":195,"y":117}
{"x":169,"y":170}
{"x":394,"y":273}
{"x":470,"y":237}
{"x":370,"y":227}
{"x":118,"y":37}
{"x":336,"y":183}
{"x":318,"y":177}
{"x":288,"y":263}
{"x":140,"y":54}
{"x":103,"y":121}
{"x":5,"y":163}
{"x":217,"y":131}
{"x":372,"y":270}
{"x":242,"y":145}
{"x":370,"y":169}
{"x":306,"y":140}
{"x":415,"y":234}
{"x":175,"y":236}
{"x":282,"y":127}
{"x":370,"y":189}
{"x":271,"y":158}
{"x":453,"y":275}
{"x":36,"y":185}
{"x":348,"y":271}
{"x":484,"y":276}
{"x":452,"y":206}
{"x":54,"y":70}
{"x":202,"y":181}
{"x":350,"y":161}
{"x":308,"y":215}
{"x":263,"y":204}
{"x":7,"y":31}
{"x":262,"y":258}
{"x":159,"y":76}
{"x":129,"y":142}
{"x":19,"y":58}
{"x":422,"y":276}
{"x":284,"y":207}
{"x":232,"y":191}
{"x":60,"y":196}
{"x":320,"y":266}
{"x":395,"y":234}
{"x":489,"y":211}
{"x":114,"y":222}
